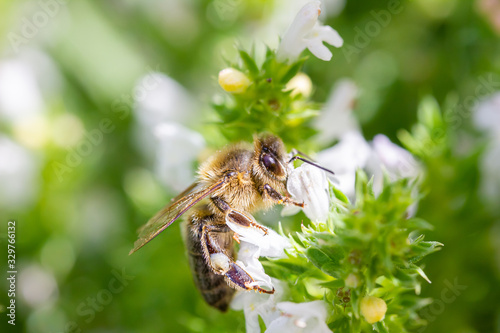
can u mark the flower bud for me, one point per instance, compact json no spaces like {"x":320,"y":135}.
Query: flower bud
{"x":373,"y":309}
{"x":233,"y":81}
{"x":352,"y":281}
{"x":300,"y":84}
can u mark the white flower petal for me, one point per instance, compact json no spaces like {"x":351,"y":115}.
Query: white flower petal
{"x":270,"y":245}
{"x":289,"y":210}
{"x":336,"y":117}
{"x":329,"y":35}
{"x":307,"y":309}
{"x":300,"y":317}
{"x":308,"y":183}
{"x":315,"y":45}
{"x":350,"y":153}
{"x":305,"y":32}
{"x":248,"y":259}
{"x":396,"y":160}
{"x":256,"y":304}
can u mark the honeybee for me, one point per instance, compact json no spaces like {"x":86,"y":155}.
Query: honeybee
{"x":237,"y":181}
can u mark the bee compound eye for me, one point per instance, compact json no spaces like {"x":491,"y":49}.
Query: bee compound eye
{"x":272,"y":165}
{"x":269,"y":161}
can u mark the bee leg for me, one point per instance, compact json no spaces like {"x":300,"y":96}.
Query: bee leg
{"x":236,"y":216}
{"x":238,"y":277}
{"x":223,"y":264}
{"x":273,"y":195}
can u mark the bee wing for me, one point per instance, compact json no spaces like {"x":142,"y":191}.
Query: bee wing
{"x":171,"y":212}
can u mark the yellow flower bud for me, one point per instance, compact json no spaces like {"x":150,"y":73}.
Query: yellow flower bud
{"x":233,"y":81}
{"x":373,"y":309}
{"x":300,"y":84}
{"x":352,"y":281}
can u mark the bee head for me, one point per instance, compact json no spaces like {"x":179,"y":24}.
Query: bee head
{"x":270,"y":157}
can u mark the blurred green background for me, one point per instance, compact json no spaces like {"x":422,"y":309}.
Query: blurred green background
{"x":77,"y":176}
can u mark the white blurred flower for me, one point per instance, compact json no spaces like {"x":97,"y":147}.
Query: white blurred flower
{"x":177,"y":148}
{"x":300,"y":317}
{"x":163,"y":99}
{"x":18,"y":175}
{"x":352,"y":152}
{"x":37,"y":286}
{"x":399,"y":162}
{"x":20,"y":94}
{"x":487,"y":115}
{"x":306,"y":32}
{"x":487,"y":118}
{"x":490,"y":178}
{"x":336,"y":117}
{"x":160,"y":111}
{"x":308,"y":184}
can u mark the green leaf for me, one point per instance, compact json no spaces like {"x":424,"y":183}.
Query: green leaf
{"x":327,"y":259}
{"x":338,"y":283}
{"x":338,"y":193}
{"x":249,"y":63}
{"x":416,"y":223}
{"x":294,"y":69}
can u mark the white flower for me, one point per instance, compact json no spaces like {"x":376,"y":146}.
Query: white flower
{"x":37,"y":286}
{"x":177,"y":148}
{"x":308,"y":184}
{"x":20,"y":94}
{"x":306,"y":32}
{"x":399,"y":162}
{"x":336,"y":117}
{"x":248,"y":259}
{"x":352,"y":152}
{"x":487,"y":117}
{"x":490,"y":178}
{"x":307,"y":317}
{"x":256,"y":304}
{"x":18,"y":175}
{"x":253,"y":245}
{"x":270,"y":245}
{"x":158,"y":99}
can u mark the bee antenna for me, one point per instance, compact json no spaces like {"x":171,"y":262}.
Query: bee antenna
{"x":309,"y":162}
{"x":298,"y":152}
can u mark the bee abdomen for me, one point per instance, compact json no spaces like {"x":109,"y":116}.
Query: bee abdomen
{"x":213,"y":287}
